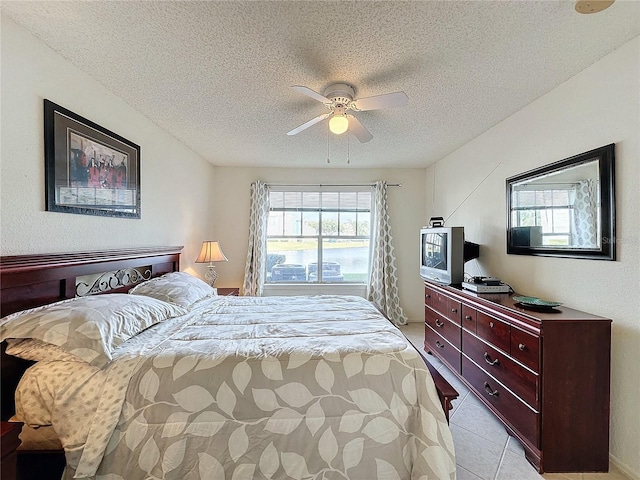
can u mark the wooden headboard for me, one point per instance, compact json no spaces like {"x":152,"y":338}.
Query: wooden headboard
{"x":28,"y":281}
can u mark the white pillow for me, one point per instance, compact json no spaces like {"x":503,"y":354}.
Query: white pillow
{"x":89,"y":327}
{"x":175,"y":287}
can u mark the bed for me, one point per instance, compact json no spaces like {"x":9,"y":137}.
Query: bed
{"x":214,"y":387}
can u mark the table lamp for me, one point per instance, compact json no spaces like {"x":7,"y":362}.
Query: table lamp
{"x":211,"y":252}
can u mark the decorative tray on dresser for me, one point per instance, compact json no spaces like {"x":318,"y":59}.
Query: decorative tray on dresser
{"x":544,"y":372}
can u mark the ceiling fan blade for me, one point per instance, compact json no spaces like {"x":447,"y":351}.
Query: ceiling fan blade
{"x":310,"y":93}
{"x":359,"y":131}
{"x":388,"y":100}
{"x":306,"y":125}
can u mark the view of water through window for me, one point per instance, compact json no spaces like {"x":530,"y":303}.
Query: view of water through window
{"x":308,"y":228}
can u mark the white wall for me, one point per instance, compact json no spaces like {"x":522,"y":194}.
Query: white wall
{"x":231,"y":190}
{"x":597,"y":107}
{"x":183,"y":202}
{"x":175,"y":182}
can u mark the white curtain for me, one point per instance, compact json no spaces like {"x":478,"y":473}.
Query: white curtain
{"x":585,"y":214}
{"x":383,"y":282}
{"x":254,"y":269}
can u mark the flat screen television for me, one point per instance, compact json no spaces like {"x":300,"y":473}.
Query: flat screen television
{"x":442,"y":254}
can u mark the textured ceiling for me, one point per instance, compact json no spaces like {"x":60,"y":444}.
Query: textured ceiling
{"x":217,"y":75}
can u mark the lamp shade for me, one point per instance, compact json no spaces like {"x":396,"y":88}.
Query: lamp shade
{"x":211,"y":252}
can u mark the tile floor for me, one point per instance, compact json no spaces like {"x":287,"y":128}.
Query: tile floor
{"x":484,"y":449}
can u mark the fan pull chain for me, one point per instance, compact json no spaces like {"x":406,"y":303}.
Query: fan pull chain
{"x":328,"y":161}
{"x":348,"y":149}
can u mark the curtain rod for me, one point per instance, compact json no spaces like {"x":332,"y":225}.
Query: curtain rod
{"x":329,"y":185}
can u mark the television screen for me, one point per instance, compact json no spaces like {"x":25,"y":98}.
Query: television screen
{"x":434,"y":250}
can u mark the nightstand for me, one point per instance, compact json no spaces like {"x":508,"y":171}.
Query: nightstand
{"x":225,"y":292}
{"x":10,"y":441}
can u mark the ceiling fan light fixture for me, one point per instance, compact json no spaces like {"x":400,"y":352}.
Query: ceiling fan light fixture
{"x":338,"y":98}
{"x":338,"y":124}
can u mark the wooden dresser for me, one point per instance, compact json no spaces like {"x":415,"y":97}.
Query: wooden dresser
{"x":544,"y":374}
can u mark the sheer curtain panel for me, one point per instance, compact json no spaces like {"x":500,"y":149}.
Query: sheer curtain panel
{"x":585,"y":215}
{"x":383,"y":283}
{"x":254,"y":270}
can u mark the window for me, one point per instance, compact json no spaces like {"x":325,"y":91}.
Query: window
{"x":548,"y":207}
{"x":311,"y":228}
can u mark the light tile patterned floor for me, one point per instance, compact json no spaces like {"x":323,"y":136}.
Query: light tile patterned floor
{"x":484,"y":449}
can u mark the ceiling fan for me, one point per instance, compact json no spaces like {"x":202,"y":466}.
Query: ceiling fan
{"x":338,"y":99}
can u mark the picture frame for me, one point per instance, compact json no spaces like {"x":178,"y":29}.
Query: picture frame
{"x":89,"y":170}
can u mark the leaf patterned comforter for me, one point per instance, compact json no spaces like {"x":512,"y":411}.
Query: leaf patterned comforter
{"x":318,"y":387}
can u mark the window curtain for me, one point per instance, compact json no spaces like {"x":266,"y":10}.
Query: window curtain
{"x":383,"y":282}
{"x":584,"y":215}
{"x":256,"y":254}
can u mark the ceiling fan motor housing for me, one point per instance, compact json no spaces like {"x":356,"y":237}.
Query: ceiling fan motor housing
{"x":340,"y":93}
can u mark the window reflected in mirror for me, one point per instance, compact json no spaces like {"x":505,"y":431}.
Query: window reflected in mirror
{"x":565,"y":208}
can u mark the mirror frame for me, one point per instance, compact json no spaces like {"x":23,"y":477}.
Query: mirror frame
{"x":606,"y":251}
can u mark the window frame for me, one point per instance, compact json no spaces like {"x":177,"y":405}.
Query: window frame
{"x":321,"y":237}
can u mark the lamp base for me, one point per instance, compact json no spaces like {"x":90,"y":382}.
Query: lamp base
{"x":211,"y":275}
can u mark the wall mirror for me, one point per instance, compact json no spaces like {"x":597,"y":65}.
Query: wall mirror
{"x":565,"y":209}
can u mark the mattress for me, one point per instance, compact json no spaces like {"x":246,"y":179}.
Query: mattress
{"x":258,"y":387}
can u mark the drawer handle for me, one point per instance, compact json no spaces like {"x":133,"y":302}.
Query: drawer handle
{"x":491,"y":324}
{"x":439,"y":323}
{"x":468,"y":317}
{"x":454,"y":310}
{"x":487,"y":359}
{"x":521,"y":346}
{"x":439,"y":345}
{"x":487,"y":388}
{"x":427,"y":296}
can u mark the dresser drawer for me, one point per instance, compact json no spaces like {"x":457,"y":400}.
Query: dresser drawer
{"x":518,"y":379}
{"x":440,"y":303}
{"x":494,"y":331}
{"x":443,"y":326}
{"x":428,"y":296}
{"x":437,"y":345}
{"x":525,"y":347}
{"x":517,"y":413}
{"x":447,"y":306}
{"x":469,"y":318}
{"x":455,"y":311}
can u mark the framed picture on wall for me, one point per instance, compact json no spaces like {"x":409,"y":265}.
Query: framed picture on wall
{"x":88,"y":169}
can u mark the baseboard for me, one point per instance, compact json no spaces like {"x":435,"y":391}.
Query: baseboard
{"x":622,"y":468}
